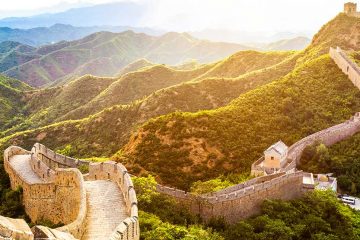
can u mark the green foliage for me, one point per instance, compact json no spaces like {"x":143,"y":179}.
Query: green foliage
{"x":166,"y":208}
{"x":84,"y":169}
{"x":315,"y":96}
{"x":11,"y":202}
{"x":219,"y":183}
{"x":318,"y":215}
{"x":152,"y":228}
{"x":67,"y":151}
{"x":315,"y":158}
{"x":48,"y":223}
{"x":342,"y":159}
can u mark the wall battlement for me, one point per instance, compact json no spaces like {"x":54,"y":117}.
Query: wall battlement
{"x":242,"y":200}
{"x":57,"y":191}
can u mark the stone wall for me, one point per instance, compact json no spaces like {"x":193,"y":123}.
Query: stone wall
{"x":61,"y":198}
{"x":346,"y":65}
{"x":240,"y":201}
{"x":247,"y":202}
{"x":14,"y":229}
{"x":116,"y":172}
{"x":55,"y":160}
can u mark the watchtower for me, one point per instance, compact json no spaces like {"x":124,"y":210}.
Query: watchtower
{"x":350,"y":8}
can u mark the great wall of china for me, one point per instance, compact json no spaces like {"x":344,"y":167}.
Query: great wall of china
{"x":243,"y":200}
{"x":99,"y":205}
{"x":102,"y":204}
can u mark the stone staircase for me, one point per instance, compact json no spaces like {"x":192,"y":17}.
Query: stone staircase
{"x":106,"y":209}
{"x":99,"y":205}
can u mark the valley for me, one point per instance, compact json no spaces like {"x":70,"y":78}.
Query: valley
{"x":184,"y":122}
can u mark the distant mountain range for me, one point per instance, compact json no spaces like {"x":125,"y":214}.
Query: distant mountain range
{"x":297,"y":43}
{"x":125,"y":13}
{"x":47,"y":35}
{"x":110,"y":14}
{"x":104,"y":54}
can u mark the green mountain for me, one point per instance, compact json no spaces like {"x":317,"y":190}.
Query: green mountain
{"x":98,"y":130}
{"x":298,"y":43}
{"x":39,"y":36}
{"x":203,"y":145}
{"x":11,"y":101}
{"x":291,"y":97}
{"x":105,"y":53}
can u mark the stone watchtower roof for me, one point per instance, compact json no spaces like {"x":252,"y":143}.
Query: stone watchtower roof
{"x":279,"y":147}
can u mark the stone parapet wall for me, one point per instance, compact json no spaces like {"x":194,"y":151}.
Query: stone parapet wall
{"x":246,"y":184}
{"x":61,"y":198}
{"x":116,"y":172}
{"x":14,"y":229}
{"x":242,"y":200}
{"x":346,"y":65}
{"x":55,"y":160}
{"x":247,"y":202}
{"x":328,"y":136}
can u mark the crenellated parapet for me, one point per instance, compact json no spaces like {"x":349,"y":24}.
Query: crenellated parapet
{"x":56,"y":195}
{"x":242,"y":200}
{"x":117,"y":173}
{"x":56,"y":191}
{"x":55,"y":160}
{"x":327,"y":136}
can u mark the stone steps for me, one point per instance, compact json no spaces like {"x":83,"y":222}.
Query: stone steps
{"x":106,"y":209}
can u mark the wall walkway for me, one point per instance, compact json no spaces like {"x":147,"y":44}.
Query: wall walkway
{"x":98,"y":205}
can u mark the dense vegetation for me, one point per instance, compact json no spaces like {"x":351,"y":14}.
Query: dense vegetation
{"x":317,"y":215}
{"x":104,"y":133}
{"x":104,"y":54}
{"x":341,"y":159}
{"x":11,"y":104}
{"x":314,"y":96}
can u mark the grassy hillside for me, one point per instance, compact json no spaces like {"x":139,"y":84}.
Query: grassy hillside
{"x":134,"y":66}
{"x":104,"y":53}
{"x":298,"y":43}
{"x":14,"y":54}
{"x":205,"y":144}
{"x":105,"y":133}
{"x":341,"y":159}
{"x":134,"y":86}
{"x":243,"y":62}
{"x":11,"y":101}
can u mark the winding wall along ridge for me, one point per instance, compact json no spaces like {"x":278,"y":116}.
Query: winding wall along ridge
{"x":61,"y":196}
{"x":243,"y":200}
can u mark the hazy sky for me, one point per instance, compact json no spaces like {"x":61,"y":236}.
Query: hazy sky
{"x":181,"y":15}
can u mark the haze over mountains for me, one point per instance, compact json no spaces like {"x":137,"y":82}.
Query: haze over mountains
{"x":115,"y":17}
{"x":104,"y":54}
{"x":188,"y":111}
{"x":60,"y":32}
{"x":151,"y":90}
{"x":111,"y":14}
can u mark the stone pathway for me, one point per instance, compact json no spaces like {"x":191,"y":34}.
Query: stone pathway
{"x":106,"y":209}
{"x":21,"y":164}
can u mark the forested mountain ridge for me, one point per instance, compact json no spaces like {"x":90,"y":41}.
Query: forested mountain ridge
{"x":105,"y":53}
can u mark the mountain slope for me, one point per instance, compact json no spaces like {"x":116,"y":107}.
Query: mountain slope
{"x":105,"y":53}
{"x":206,"y":144}
{"x":123,"y":13}
{"x":298,"y":43}
{"x":59,"y":32}
{"x":10,"y":101}
{"x":243,"y":62}
{"x":106,"y":132}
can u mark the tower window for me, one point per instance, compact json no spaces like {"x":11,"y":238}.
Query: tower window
{"x":272,"y":158}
